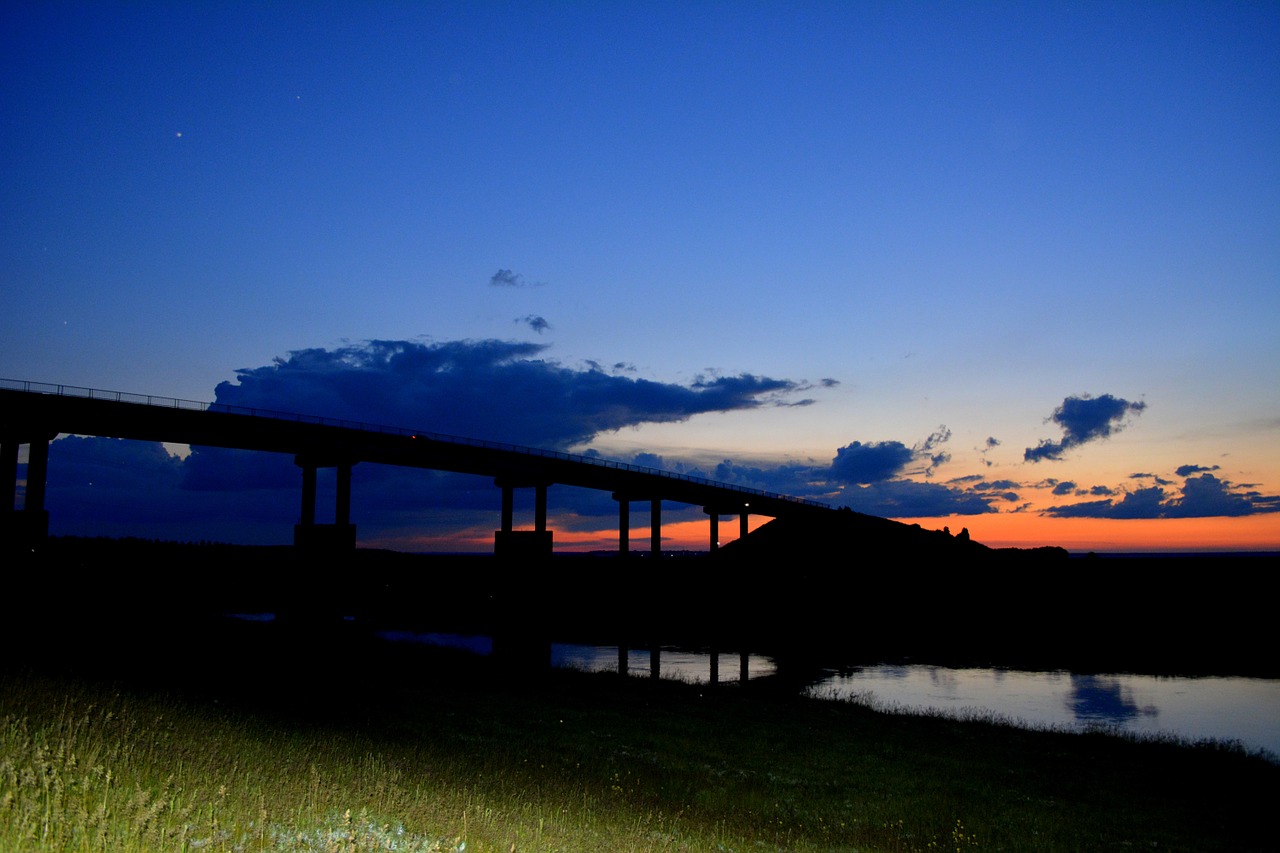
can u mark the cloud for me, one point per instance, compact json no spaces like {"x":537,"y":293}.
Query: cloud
{"x":935,"y":439}
{"x":912,"y":499}
{"x":506,"y":278}
{"x":533,"y":321}
{"x":859,"y":463}
{"x":497,"y":390}
{"x":1143,"y":503}
{"x":1188,"y":470}
{"x":991,"y":444}
{"x":1204,"y":496}
{"x":1066,"y":487}
{"x":1083,"y":419}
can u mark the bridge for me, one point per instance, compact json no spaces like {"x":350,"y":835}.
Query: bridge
{"x":33,"y":414}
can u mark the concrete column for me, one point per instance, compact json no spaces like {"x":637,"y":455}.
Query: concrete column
{"x":655,"y":528}
{"x":622,"y":658}
{"x":37,"y":474}
{"x":655,"y":661}
{"x":540,"y":508}
{"x":744,"y":670}
{"x":342,"y":510}
{"x":308,"y":518}
{"x":624,"y":525}
{"x":715,"y":529}
{"x":8,"y":474}
{"x":508,"y":508}
{"x":742,"y":525}
{"x":715,"y":668}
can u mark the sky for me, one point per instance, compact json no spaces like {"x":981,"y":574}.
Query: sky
{"x":1010,"y":267}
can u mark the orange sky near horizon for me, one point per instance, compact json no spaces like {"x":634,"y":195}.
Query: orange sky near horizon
{"x":996,"y":530}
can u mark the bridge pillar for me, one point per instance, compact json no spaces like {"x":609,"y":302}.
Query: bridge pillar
{"x":308,"y":515}
{"x":37,"y":474}
{"x":624,"y":523}
{"x":342,"y":512}
{"x":508,"y":507}
{"x":27,"y":529}
{"x":715,"y":527}
{"x":9,"y":472}
{"x":512,"y":543}
{"x":540,"y":508}
{"x":743,"y":530}
{"x":324,"y":538}
{"x":655,"y":528}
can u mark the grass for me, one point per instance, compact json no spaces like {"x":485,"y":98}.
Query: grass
{"x":265,"y":743}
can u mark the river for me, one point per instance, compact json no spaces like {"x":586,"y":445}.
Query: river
{"x":1228,"y":709}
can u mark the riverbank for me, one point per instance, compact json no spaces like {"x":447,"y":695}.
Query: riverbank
{"x":1186,"y":615}
{"x":258,"y":738}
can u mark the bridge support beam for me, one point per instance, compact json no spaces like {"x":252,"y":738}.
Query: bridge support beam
{"x":324,"y":538}
{"x":512,"y":543}
{"x":26,"y":529}
{"x":624,"y":523}
{"x":714,"y":513}
{"x":655,"y":528}
{"x":9,"y":472}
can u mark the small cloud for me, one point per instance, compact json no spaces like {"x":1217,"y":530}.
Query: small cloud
{"x":935,"y":461}
{"x":1066,"y":487}
{"x":829,"y":383}
{"x":533,"y":321}
{"x":1188,"y":470}
{"x":939,"y":436}
{"x":991,"y":444}
{"x":506,"y":278}
{"x":1083,"y":419}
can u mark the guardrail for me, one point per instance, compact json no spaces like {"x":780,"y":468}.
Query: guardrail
{"x":195,"y":405}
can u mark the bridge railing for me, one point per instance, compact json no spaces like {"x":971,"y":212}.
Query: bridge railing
{"x":224,"y":408}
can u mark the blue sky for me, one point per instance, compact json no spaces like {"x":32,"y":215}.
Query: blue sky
{"x":913,"y":216}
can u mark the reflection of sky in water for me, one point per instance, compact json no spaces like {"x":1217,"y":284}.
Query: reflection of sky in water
{"x":692,"y":667}
{"x":1246,"y":710}
{"x":1103,"y":700}
{"x":1242,"y":709}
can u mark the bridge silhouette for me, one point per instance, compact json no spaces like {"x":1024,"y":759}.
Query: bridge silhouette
{"x":33,"y":414}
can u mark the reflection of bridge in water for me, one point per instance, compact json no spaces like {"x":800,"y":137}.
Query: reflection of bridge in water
{"x":34,"y":414}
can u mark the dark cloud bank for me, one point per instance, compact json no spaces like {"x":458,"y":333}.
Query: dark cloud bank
{"x":1199,"y":497}
{"x":510,"y":392}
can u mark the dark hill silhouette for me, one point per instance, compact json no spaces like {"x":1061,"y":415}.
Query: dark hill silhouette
{"x":854,"y":533}
{"x":857,"y":587}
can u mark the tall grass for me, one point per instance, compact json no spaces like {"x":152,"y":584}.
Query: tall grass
{"x":419,"y":756}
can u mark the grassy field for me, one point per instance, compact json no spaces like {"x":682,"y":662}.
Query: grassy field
{"x":256,"y":740}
